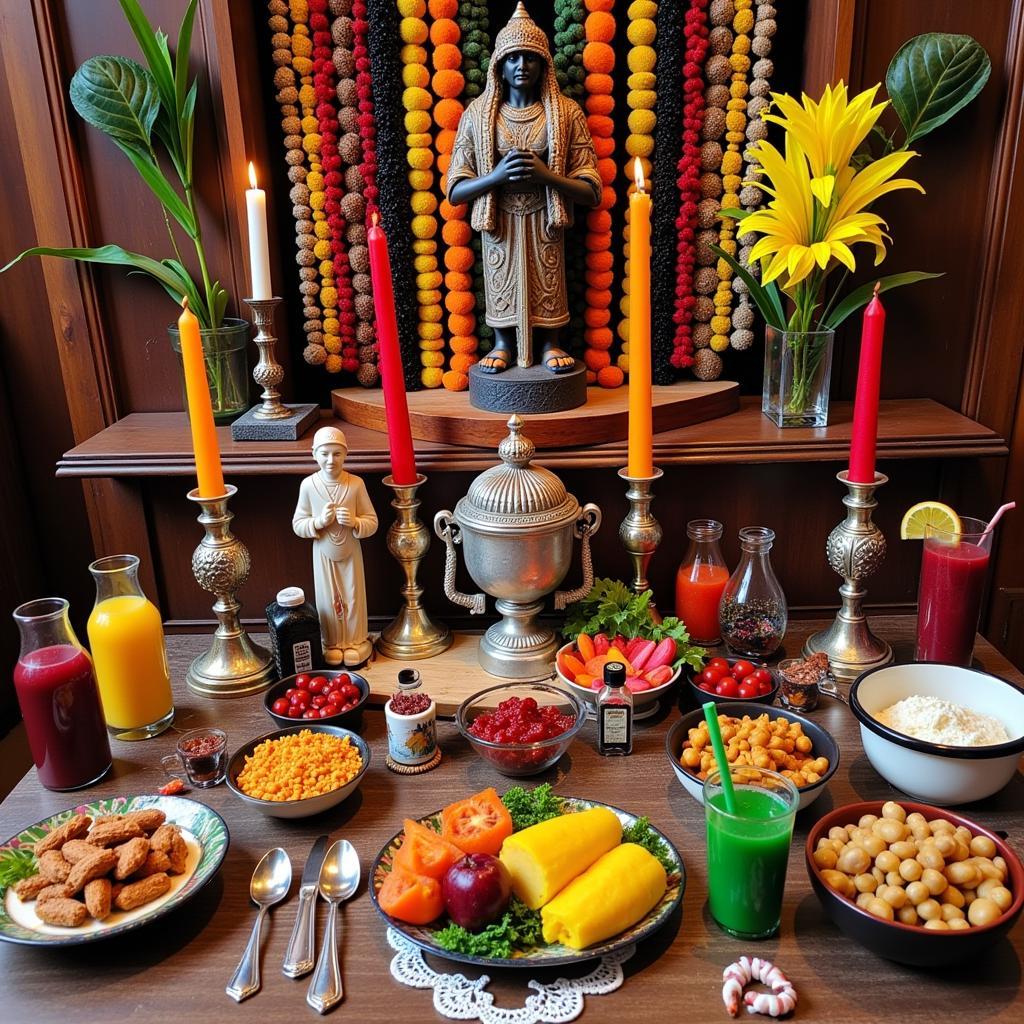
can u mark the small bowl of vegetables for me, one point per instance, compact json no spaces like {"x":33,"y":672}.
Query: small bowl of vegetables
{"x":614,"y":624}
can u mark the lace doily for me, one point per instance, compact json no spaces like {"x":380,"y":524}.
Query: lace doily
{"x":459,"y":998}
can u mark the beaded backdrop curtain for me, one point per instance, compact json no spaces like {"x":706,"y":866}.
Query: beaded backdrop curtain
{"x":370,"y":93}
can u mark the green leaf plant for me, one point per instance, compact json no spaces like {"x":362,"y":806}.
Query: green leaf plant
{"x":148,"y":112}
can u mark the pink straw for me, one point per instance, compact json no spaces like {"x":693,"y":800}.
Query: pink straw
{"x":1008,"y":507}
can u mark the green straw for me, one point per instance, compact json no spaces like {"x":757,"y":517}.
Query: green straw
{"x":724,"y":775}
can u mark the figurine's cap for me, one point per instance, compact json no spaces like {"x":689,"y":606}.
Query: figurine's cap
{"x":329,"y":435}
{"x":521,"y":33}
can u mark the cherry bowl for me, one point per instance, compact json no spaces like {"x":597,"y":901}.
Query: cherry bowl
{"x":352,"y":718}
{"x":702,"y":696}
{"x":519,"y":759}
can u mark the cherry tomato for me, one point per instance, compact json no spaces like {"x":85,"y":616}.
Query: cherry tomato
{"x":322,"y":680}
{"x":318,"y":701}
{"x":350,"y":691}
{"x":328,"y":711}
{"x":719,"y":663}
{"x":343,"y":678}
{"x":750,"y":681}
{"x":336,"y":697}
{"x":311,"y":713}
{"x":763,"y":688}
{"x":316,"y":685}
{"x":300,"y":699}
{"x":727,"y":688}
{"x":302,"y":681}
{"x":748,"y":690}
{"x":711,"y":675}
{"x":763,"y":675}
{"x":349,"y":706}
{"x":706,"y":687}
{"x":742,"y":669}
{"x":280,"y":706}
{"x":294,"y":711}
{"x":289,"y":693}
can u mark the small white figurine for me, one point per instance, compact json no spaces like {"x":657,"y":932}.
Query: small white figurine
{"x":334,"y":511}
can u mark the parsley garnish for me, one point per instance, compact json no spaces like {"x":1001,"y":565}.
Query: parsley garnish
{"x":532,"y":806}
{"x":641,"y":833}
{"x":518,"y":928}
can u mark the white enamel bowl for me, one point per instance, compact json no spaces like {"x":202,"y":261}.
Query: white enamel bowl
{"x":937,"y":773}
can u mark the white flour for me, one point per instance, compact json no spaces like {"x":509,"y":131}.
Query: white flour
{"x":942,"y":721}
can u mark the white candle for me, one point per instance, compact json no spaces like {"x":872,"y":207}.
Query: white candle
{"x":259,"y":248}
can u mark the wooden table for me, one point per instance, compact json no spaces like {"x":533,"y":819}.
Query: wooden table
{"x":176,"y":969}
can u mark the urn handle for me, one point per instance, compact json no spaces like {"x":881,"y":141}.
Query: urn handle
{"x":588,"y":523}
{"x":448,"y":530}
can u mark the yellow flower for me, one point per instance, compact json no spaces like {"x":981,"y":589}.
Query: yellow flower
{"x":829,"y":131}
{"x":797,"y":234}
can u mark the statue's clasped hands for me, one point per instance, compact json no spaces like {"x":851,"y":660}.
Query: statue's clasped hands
{"x":334,"y":514}
{"x":523,"y":166}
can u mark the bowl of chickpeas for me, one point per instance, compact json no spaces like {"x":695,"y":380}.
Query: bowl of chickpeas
{"x":777,"y":739}
{"x":913,"y":883}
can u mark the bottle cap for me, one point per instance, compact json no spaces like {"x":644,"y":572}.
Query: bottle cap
{"x":614,"y":674}
{"x":291,"y":597}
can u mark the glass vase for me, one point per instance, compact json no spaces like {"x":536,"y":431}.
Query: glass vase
{"x":797,"y":370}
{"x":226,"y":351}
{"x":753,"y":614}
{"x":700,"y":581}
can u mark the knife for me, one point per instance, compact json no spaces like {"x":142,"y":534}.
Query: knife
{"x":299,"y":956}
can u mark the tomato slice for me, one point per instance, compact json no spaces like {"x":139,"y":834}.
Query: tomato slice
{"x":478,"y":824}
{"x":424,"y":852}
{"x":414,"y":899}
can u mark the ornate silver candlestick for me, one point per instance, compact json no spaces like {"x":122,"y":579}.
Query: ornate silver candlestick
{"x":271,"y":420}
{"x":412,"y":634}
{"x":640,"y":532}
{"x":234,"y":666}
{"x":855,"y":549}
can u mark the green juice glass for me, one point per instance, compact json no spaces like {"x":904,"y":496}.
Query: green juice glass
{"x":748,"y":851}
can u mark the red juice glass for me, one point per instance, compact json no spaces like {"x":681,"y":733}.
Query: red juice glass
{"x":59,"y":700}
{"x":953,"y":571}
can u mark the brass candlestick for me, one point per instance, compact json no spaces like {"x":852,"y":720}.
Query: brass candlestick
{"x":412,"y":634}
{"x":234,"y":666}
{"x":855,"y":549}
{"x":268,"y":372}
{"x":640,"y":532}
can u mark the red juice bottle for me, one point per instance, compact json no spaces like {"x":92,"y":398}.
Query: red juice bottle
{"x":59,"y":700}
{"x":953,"y":571}
{"x":700,"y":581}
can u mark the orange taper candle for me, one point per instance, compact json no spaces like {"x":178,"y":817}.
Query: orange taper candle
{"x":641,"y":455}
{"x":200,"y":409}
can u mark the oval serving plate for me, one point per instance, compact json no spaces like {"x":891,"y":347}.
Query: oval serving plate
{"x":203,"y":830}
{"x":544,"y":955}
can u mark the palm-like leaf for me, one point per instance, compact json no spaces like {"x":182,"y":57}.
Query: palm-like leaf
{"x":862,"y":296}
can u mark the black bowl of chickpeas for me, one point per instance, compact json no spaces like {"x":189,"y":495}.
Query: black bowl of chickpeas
{"x":916,"y":884}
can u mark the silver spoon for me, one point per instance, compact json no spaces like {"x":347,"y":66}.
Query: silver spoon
{"x":270,"y":884}
{"x":339,"y":879}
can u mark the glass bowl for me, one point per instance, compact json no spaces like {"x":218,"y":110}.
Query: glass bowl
{"x":521,"y":759}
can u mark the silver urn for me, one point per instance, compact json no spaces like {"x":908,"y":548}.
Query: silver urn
{"x":517,"y":525}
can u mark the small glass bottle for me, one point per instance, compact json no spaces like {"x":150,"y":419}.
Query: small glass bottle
{"x":126,"y":636}
{"x":752,"y":614}
{"x":614,"y":712}
{"x":700,"y":581}
{"x":59,"y":701}
{"x":294,"y":633}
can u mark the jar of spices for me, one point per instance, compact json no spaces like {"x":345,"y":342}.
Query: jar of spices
{"x":753,"y":614}
{"x":294,"y":633}
{"x":801,"y":680}
{"x":411,"y":718}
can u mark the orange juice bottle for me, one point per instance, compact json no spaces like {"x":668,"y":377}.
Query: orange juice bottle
{"x":700,"y":581}
{"x":128,"y":652}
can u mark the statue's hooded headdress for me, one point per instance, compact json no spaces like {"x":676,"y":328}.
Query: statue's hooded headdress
{"x":521,"y":34}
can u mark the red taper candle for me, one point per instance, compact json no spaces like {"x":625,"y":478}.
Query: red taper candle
{"x":396,"y":408}
{"x":865,"y":405}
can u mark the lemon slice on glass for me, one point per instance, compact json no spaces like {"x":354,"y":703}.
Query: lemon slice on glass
{"x":929,"y":513}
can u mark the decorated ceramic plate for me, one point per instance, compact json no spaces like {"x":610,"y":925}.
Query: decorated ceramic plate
{"x":543,"y":954}
{"x":205,"y":835}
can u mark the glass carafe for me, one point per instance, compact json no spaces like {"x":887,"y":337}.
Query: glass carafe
{"x":56,"y":690}
{"x":752,"y":614}
{"x":127,"y":641}
{"x":700,"y":581}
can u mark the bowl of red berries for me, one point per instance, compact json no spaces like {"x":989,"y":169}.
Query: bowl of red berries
{"x":521,"y":728}
{"x":324,"y":695}
{"x":723,"y":680}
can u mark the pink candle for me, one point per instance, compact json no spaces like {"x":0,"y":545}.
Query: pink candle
{"x":865,"y":406}
{"x":396,"y":409}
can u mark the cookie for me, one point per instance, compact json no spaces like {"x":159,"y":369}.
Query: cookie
{"x":130,"y":857}
{"x":63,"y":912}
{"x":167,"y":839}
{"x":53,"y":866}
{"x":74,"y":828}
{"x":97,"y":898}
{"x":92,"y":867}
{"x":29,"y":888}
{"x":156,"y":862}
{"x":61,"y":891}
{"x":139,"y":893}
{"x":75,"y":850}
{"x":149,"y":819}
{"x":114,"y":833}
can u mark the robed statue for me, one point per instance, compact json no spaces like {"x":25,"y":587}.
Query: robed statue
{"x":523,"y":157}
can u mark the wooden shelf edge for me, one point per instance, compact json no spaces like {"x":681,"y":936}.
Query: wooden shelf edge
{"x":157,"y":445}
